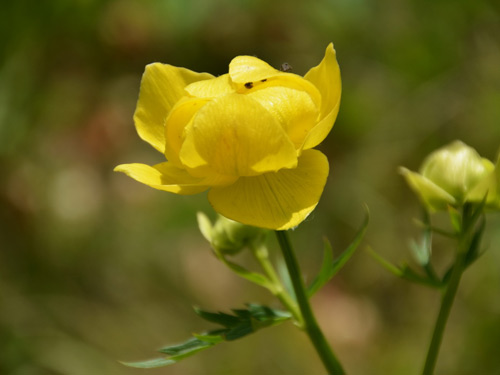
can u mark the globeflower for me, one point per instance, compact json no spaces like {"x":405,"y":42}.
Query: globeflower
{"x":246,"y":136}
{"x":454,"y":175}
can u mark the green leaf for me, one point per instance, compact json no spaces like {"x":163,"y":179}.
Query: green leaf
{"x":186,"y":347}
{"x":242,"y":323}
{"x":437,"y":230}
{"x":176,"y":353}
{"x":150,"y":363}
{"x":239,"y":331}
{"x":405,"y":272}
{"x":254,"y":277}
{"x":329,"y":266}
{"x":475,"y":213}
{"x":263,"y":313}
{"x":384,"y":263}
{"x":213,"y":337}
{"x":326,"y":272}
{"x":285,"y":277}
{"x":422,"y":251}
{"x":474,"y":251}
{"x":455,"y":219}
{"x":409,"y":274}
{"x":205,"y":226}
{"x":221,"y":318}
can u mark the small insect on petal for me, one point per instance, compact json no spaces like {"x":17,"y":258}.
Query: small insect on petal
{"x":286,"y":67}
{"x":249,"y":85}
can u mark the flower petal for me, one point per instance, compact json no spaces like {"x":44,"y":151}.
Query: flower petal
{"x":289,"y":80}
{"x":163,"y":176}
{"x":162,"y":86}
{"x":234,"y":135}
{"x":249,"y":74}
{"x":432,"y":195}
{"x":326,"y":77}
{"x":211,"y":88}
{"x":489,"y":186}
{"x":243,"y":69}
{"x":294,"y":109}
{"x":179,"y":117}
{"x":280,"y":200}
{"x":496,"y":176}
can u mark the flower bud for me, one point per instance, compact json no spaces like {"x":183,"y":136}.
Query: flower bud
{"x":452,"y":175}
{"x":227,"y":236}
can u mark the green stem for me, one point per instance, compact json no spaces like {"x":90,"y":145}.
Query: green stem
{"x":262,"y":256}
{"x":310,"y":325}
{"x":444,"y":313}
{"x":464,"y":242}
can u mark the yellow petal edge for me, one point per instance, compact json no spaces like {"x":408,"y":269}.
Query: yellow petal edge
{"x":279,"y":200}
{"x":162,"y":86}
{"x":163,"y":176}
{"x":326,"y":78}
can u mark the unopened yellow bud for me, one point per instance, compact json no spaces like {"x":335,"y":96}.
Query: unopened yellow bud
{"x":453,"y":175}
{"x":227,"y":236}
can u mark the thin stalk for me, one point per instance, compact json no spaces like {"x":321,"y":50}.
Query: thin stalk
{"x":261,"y":255}
{"x":464,"y":236}
{"x":310,"y":325}
{"x":444,"y":313}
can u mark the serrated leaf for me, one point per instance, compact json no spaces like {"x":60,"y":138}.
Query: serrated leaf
{"x":213,"y":337}
{"x":262,"y":312}
{"x":242,"y":313}
{"x":329,"y":266}
{"x":221,"y":318}
{"x":195,"y":346}
{"x":254,"y":318}
{"x":239,"y":331}
{"x":187,"y":346}
{"x":243,"y":323}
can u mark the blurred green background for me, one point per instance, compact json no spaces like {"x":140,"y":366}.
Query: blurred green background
{"x":96,"y":268}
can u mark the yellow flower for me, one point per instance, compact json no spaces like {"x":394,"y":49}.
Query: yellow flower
{"x":454,"y":175}
{"x":247,"y":136}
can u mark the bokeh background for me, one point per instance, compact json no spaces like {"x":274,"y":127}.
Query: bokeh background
{"x":96,"y":268}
